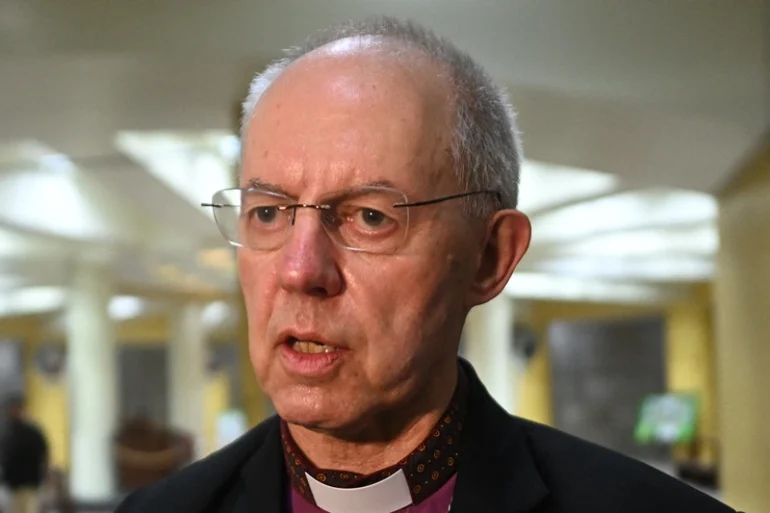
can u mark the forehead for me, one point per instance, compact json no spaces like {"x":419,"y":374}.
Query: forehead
{"x":347,"y":115}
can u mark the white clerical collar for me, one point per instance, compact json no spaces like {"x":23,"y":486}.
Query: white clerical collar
{"x":386,"y":496}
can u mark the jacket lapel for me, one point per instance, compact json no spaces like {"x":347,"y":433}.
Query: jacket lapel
{"x":497,"y":473}
{"x":263,"y":477}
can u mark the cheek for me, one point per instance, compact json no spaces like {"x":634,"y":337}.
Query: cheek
{"x":412,"y":303}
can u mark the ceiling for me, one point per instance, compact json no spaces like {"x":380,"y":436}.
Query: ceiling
{"x":116,"y":121}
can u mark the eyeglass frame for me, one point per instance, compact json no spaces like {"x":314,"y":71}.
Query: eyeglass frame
{"x":325,"y":206}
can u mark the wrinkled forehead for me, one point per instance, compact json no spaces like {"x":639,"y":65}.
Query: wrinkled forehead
{"x":350,"y":113}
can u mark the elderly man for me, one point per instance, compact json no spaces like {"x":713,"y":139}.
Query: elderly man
{"x":377,"y":206}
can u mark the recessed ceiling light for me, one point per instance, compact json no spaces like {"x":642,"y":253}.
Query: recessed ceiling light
{"x":543,"y":186}
{"x":230,"y":147}
{"x":32,"y":300}
{"x":216,"y":313}
{"x":624,"y":211}
{"x":700,"y":239}
{"x":189,"y":163}
{"x":57,"y":162}
{"x":532,"y":285}
{"x":56,"y":203}
{"x":126,"y":307}
{"x":664,"y":268}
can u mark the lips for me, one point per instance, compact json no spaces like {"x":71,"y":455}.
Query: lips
{"x":309,"y":355}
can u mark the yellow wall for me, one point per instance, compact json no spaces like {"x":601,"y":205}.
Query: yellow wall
{"x":216,"y":401}
{"x":690,"y":368}
{"x":533,"y":394}
{"x":742,"y":329}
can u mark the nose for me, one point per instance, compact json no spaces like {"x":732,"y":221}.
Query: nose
{"x":308,"y":264}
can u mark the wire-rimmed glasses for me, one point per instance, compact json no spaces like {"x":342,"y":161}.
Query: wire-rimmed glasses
{"x":367,"y":219}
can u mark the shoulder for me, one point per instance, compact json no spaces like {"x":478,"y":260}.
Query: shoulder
{"x":581,"y":475}
{"x":37,"y":430}
{"x":199,"y":484}
{"x":29,"y":430}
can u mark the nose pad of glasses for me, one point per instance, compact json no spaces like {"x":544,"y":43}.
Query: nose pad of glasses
{"x":324,"y":209}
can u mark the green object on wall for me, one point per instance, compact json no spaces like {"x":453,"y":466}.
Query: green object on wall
{"x":668,"y":419}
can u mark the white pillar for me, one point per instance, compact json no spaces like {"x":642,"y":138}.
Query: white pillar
{"x":92,"y":374}
{"x":487,"y":337}
{"x":187,"y":373}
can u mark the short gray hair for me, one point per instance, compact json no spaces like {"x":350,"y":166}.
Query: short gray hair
{"x":485,"y":143}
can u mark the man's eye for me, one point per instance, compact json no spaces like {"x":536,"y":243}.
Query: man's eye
{"x":372,"y":218}
{"x":265,"y":214}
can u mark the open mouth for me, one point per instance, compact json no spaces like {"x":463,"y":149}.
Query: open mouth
{"x":310,"y":346}
{"x":310,"y":355}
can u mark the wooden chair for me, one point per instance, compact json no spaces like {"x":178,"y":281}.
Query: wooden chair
{"x":146,"y":452}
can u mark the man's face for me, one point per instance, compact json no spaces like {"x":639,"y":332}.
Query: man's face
{"x":335,"y":122}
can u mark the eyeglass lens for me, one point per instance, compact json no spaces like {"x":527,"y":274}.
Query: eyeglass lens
{"x":363,"y":219}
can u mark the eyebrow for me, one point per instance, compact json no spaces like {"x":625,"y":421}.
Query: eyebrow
{"x":257,"y":183}
{"x":380,"y":183}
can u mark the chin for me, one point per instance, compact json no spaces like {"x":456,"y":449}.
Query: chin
{"x":301,"y":408}
{"x":315,"y":421}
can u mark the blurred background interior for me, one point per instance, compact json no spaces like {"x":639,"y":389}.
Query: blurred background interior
{"x":638,"y":320}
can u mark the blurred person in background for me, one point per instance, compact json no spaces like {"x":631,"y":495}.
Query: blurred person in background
{"x":24,"y":460}
{"x":377,"y":206}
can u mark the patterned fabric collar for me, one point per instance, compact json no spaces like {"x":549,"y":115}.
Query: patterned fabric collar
{"x":427,"y":468}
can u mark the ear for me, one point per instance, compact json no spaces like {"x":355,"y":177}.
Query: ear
{"x":508,"y":236}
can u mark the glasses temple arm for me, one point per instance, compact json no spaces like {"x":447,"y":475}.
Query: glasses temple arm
{"x":446,"y":198}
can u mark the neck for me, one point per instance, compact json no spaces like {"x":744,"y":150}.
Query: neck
{"x":393,"y":434}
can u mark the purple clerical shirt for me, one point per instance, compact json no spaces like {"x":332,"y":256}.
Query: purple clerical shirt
{"x":438,"y":502}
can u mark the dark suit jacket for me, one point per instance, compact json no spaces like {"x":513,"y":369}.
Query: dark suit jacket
{"x":25,"y":452}
{"x":508,"y":465}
